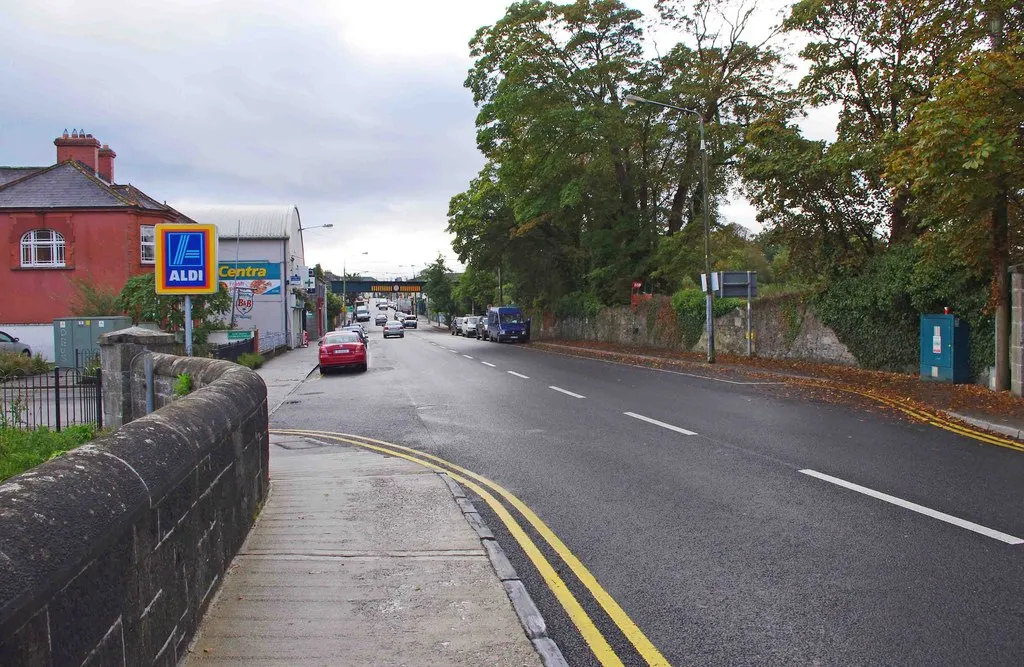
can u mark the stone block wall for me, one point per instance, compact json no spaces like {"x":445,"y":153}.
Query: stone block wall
{"x":112,"y":552}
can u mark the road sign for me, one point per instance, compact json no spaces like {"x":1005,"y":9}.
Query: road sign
{"x":186,"y":259}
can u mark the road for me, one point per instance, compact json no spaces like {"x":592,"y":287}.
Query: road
{"x":732,"y":523}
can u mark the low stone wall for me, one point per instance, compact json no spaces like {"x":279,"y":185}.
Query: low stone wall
{"x":111,"y":553}
{"x":784,"y":327}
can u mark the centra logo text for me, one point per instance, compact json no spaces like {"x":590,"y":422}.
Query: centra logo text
{"x":191,"y":275}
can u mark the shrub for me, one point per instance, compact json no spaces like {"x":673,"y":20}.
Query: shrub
{"x":13,"y":363}
{"x":21,"y":450}
{"x":691,"y":308}
{"x":577,"y":304}
{"x":251,"y":360}
{"x":183,"y":385}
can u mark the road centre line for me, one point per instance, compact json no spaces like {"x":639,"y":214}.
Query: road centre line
{"x":487,"y":364}
{"x":914,"y":507}
{"x":519,"y":375}
{"x":658,"y":423}
{"x":566,"y":392}
{"x":467,"y":356}
{"x":593,"y":637}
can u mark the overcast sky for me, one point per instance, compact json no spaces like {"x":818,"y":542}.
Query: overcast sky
{"x":353,"y":111}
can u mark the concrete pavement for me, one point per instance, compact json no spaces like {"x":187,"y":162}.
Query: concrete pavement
{"x":357,"y":559}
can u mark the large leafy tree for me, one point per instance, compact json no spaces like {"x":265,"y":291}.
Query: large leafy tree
{"x":438,"y":288}
{"x":879,"y":60}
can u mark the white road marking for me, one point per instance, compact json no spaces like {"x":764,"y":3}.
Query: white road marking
{"x":658,"y":423}
{"x":519,"y":375}
{"x":467,"y":356}
{"x":487,"y":364}
{"x":566,"y":392}
{"x":455,"y":351}
{"x":914,"y":507}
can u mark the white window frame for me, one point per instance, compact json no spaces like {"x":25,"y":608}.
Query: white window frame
{"x":147,"y":243}
{"x":31,"y":244}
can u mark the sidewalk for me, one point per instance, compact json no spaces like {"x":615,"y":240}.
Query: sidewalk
{"x":359,"y":559}
{"x":286,"y":371}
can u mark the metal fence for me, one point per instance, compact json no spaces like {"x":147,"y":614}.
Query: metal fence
{"x":232,"y":351}
{"x":272,"y":340}
{"x":56,"y":399}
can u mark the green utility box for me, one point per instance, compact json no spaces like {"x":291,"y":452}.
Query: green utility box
{"x":945,"y":349}
{"x":75,"y":339}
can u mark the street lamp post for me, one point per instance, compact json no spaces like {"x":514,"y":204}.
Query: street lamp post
{"x":709,"y":309}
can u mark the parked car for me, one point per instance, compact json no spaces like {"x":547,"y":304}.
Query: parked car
{"x":343,"y":349}
{"x":360,"y":331}
{"x":481,"y":328}
{"x":394,"y":328}
{"x":381,"y":319}
{"x":469,"y":326}
{"x":456,"y":326}
{"x":9,"y":343}
{"x":410,"y":322}
{"x":506,"y":323}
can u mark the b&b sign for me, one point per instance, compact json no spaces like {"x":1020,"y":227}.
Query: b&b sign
{"x":186,"y":259}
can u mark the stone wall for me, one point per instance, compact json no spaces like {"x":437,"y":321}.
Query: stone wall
{"x":784,"y":327}
{"x":112,"y":552}
{"x":1017,"y":330}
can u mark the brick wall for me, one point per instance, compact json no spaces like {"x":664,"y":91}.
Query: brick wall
{"x":112,"y":552}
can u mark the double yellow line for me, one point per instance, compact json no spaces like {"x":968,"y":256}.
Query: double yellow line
{"x":484,"y":487}
{"x":923,"y":416}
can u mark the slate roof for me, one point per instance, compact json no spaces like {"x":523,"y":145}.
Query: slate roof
{"x":8,"y":174}
{"x":68,"y":185}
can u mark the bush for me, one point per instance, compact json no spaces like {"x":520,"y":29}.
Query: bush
{"x":183,"y":385}
{"x":21,"y":450}
{"x":13,"y":363}
{"x":577,"y":304}
{"x":251,"y":360}
{"x":691,"y":308}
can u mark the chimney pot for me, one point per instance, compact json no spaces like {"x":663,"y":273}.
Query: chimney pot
{"x":81,"y":147}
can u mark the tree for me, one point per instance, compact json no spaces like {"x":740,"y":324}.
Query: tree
{"x":90,"y":299}
{"x":438,"y":287}
{"x":138,"y":298}
{"x":879,"y":60}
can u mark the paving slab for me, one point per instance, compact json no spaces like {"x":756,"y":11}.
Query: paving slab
{"x":360,"y":559}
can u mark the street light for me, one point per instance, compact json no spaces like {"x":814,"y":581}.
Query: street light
{"x":636,"y":99}
{"x":327,"y":225}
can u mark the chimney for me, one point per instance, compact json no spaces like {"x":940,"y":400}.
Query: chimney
{"x":105,"y":167}
{"x":78,"y":146}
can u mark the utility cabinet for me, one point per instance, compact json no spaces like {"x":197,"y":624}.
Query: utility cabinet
{"x":945,"y":349}
{"x":76,"y":339}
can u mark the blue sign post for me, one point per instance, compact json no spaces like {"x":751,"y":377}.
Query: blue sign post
{"x":186,"y":264}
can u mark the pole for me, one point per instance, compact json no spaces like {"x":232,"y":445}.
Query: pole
{"x":750,"y":346}
{"x":501,"y":289}
{"x":234,"y":292}
{"x":707,"y":244}
{"x":188,"y":325}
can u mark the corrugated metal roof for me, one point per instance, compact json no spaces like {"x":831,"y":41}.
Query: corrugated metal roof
{"x":247,"y":221}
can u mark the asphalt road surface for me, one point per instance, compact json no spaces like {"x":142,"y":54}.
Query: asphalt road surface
{"x":734,"y":524}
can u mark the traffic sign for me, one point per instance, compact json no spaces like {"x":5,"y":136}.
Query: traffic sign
{"x":186,"y":259}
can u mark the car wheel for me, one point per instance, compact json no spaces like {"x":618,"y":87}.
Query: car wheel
{"x":363,"y":368}
{"x":322,"y":371}
{"x":26,"y":353}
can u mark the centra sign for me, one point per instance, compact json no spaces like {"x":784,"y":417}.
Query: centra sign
{"x":186,"y":259}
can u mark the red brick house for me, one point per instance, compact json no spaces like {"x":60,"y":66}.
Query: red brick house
{"x":70,"y":220}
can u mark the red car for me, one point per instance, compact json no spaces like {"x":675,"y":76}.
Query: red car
{"x":342,"y":349}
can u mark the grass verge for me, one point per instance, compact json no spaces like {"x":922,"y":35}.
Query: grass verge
{"x":21,"y":450}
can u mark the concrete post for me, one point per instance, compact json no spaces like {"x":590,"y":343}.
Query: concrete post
{"x":1017,"y":329}
{"x":118,"y":349}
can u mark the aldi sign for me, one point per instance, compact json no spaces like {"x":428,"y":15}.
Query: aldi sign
{"x":186,"y":259}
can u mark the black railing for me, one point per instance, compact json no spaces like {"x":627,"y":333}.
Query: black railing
{"x":61,"y":397}
{"x":232,"y":351}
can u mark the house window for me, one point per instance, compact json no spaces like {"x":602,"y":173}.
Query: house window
{"x":43,"y":248}
{"x":148,"y":235}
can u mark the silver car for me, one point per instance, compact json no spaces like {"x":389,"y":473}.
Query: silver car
{"x":9,"y":343}
{"x":394,"y":328}
{"x":469,"y":326}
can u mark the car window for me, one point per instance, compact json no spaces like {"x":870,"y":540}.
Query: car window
{"x":343,"y":337}
{"x":4,"y":338}
{"x":511,"y":318}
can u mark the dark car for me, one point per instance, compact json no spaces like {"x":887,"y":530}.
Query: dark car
{"x":381,"y":319}
{"x":506,"y":323}
{"x":481,"y":328}
{"x":456,"y":327}
{"x":343,"y":349}
{"x":359,"y":331}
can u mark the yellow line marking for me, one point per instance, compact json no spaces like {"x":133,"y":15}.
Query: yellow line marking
{"x":621,"y":619}
{"x":595,"y":640}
